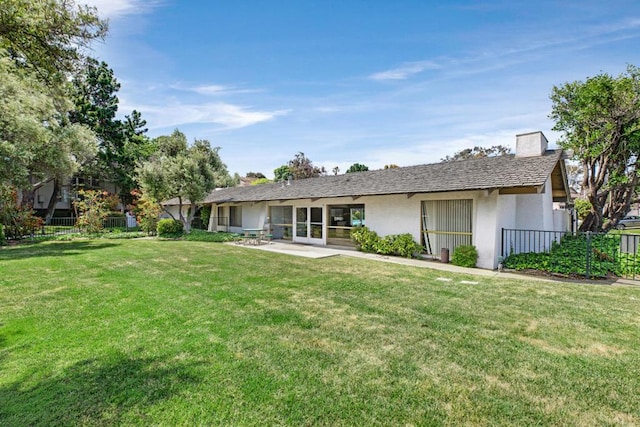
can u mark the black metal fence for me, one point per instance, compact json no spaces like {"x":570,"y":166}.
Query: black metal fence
{"x":200,"y":224}
{"x":66,"y":225}
{"x":572,"y":253}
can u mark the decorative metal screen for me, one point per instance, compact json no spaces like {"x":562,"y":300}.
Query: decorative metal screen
{"x":446,"y":224}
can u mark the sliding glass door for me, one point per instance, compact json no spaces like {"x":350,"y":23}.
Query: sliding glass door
{"x":309,"y":222}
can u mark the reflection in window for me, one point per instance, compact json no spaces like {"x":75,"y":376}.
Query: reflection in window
{"x":235,"y":216}
{"x":281,"y":219}
{"x":343,"y":218}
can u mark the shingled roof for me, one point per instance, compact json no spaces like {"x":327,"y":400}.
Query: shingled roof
{"x":502,"y":172}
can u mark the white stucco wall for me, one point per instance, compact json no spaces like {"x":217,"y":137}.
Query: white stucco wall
{"x":254,"y":215}
{"x":396,"y":214}
{"x":173,"y":210}
{"x":486,"y":236}
{"x":561,"y":220}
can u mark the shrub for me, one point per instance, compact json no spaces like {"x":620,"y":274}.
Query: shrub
{"x":92,"y":210}
{"x":205,"y":236}
{"x":19,"y":220}
{"x":465,"y":256}
{"x":1,"y":234}
{"x":170,"y":228}
{"x":404,"y":245}
{"x":596,"y":254}
{"x":367,"y":240}
{"x":148,"y":210}
{"x":205,"y":213}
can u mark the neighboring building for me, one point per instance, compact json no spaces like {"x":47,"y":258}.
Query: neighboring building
{"x":443,"y":205}
{"x":66,"y":194}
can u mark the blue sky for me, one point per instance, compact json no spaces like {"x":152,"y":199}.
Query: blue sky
{"x":373,"y":82}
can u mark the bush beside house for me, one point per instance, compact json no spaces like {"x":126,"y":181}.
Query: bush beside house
{"x":465,"y":256}
{"x":367,"y":240}
{"x":170,"y":228}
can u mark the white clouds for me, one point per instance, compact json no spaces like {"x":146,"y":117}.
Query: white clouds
{"x":227,"y":116}
{"x":115,"y":8}
{"x":213,"y":89}
{"x":405,"y":71}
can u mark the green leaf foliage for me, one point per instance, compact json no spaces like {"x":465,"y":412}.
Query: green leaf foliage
{"x":573,"y":255}
{"x":48,"y":36}
{"x":367,"y":240}
{"x":357,"y":167}
{"x":465,"y":256}
{"x":182,"y":172}
{"x":35,"y":139}
{"x":281,"y":173}
{"x":600,"y":122}
{"x":582,"y":207}
{"x":170,"y":228}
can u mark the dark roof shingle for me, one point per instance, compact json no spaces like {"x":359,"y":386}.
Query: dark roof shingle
{"x":475,"y":174}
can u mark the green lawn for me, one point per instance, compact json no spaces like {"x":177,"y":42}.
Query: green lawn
{"x":150,"y":332}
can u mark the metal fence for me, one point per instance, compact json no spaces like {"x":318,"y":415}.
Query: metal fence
{"x":572,"y":253}
{"x":65,"y":225}
{"x":68,"y":225}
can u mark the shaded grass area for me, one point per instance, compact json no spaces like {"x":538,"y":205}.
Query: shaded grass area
{"x":147,"y":332}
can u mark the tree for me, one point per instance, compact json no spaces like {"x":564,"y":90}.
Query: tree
{"x":258,"y":175}
{"x":301,"y":167}
{"x":357,"y":167}
{"x":574,"y":176}
{"x":42,"y":44}
{"x":260,"y":181}
{"x":121,"y":144}
{"x":187,"y":173}
{"x":582,"y":207}
{"x":336,"y":170}
{"x":478,"y":152}
{"x":48,"y":36}
{"x":36,"y":141}
{"x":600,"y":122}
{"x":281,"y":173}
{"x":391,"y":166}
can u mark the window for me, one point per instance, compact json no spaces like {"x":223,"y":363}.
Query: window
{"x":221,"y":217}
{"x":235,"y":216}
{"x":281,"y":218}
{"x":342,"y":218}
{"x":446,"y":224}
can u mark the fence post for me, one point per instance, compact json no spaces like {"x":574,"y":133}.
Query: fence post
{"x":588,"y":260}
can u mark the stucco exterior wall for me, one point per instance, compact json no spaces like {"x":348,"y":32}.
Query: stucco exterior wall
{"x":396,"y":214}
{"x":486,"y":216}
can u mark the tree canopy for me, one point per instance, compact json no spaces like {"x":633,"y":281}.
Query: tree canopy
{"x":121,"y":143}
{"x":478,"y":152}
{"x":600,"y":121}
{"x":48,"y":37}
{"x":186,"y":173}
{"x":35,"y":139}
{"x":281,"y":173}
{"x":300,"y":167}
{"x":42,"y":44}
{"x":357,"y":167}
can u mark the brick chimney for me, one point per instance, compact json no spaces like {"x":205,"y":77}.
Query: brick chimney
{"x":531,"y":144}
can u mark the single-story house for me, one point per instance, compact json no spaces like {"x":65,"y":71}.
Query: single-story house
{"x":442,"y":205}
